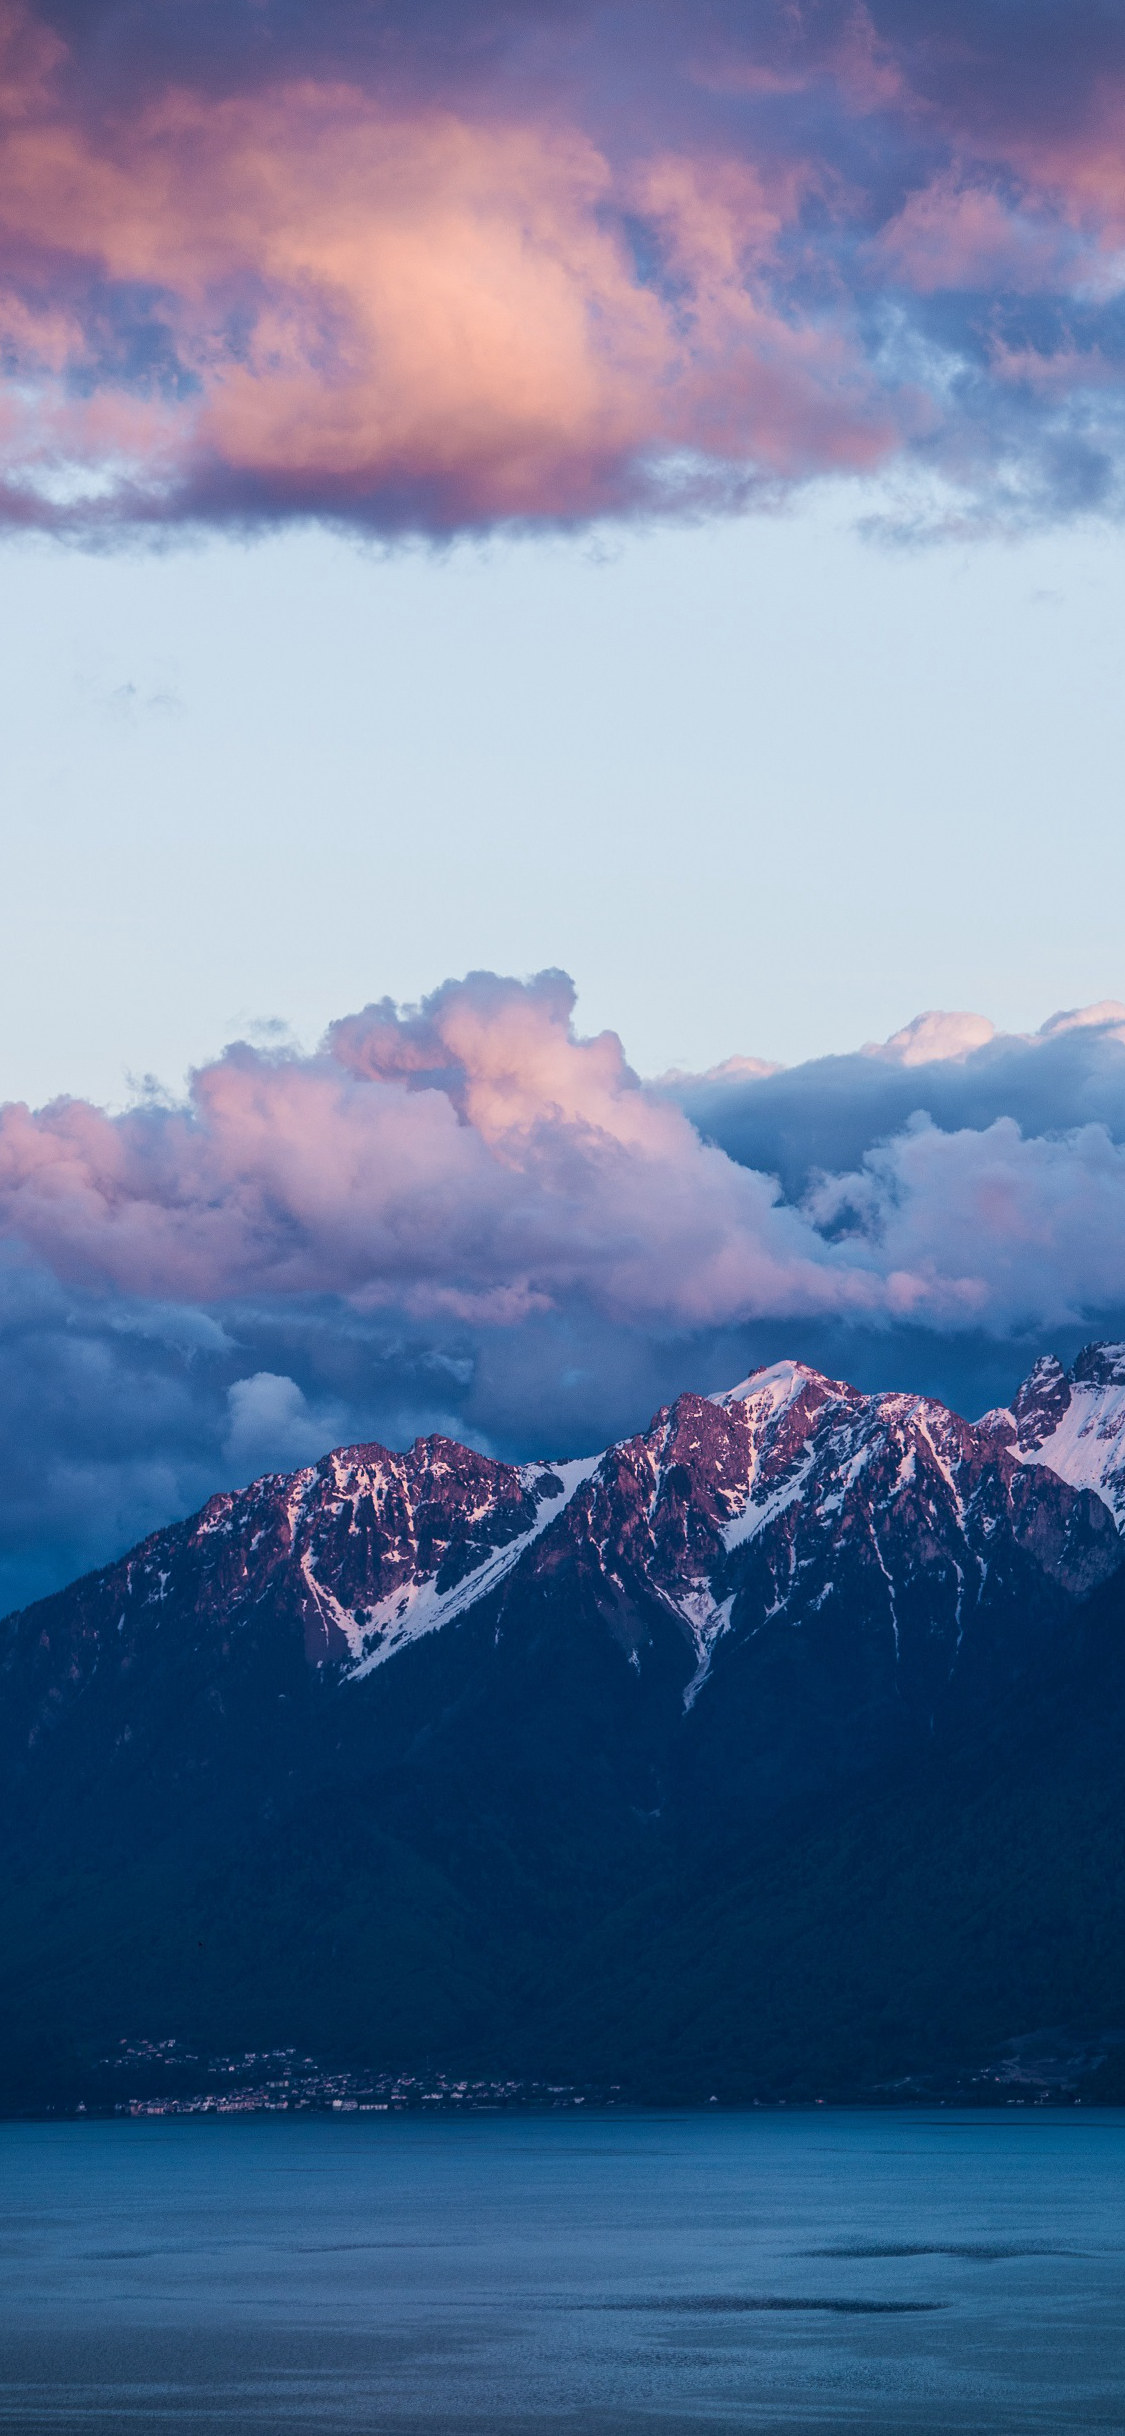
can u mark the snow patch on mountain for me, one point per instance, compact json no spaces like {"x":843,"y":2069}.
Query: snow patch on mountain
{"x":769,"y":1391}
{"x":1087,"y":1446}
{"x":766,"y":1396}
{"x":757,"y":1513}
{"x":418,"y":1607}
{"x":707,"y":1621}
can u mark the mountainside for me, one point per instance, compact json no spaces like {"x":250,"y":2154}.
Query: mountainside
{"x":777,"y":1745}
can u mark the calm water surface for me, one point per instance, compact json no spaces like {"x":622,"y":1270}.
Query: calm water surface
{"x":647,"y":2275}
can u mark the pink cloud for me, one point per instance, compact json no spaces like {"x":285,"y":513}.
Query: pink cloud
{"x":523,"y":1168}
{"x":956,"y":235}
{"x":1078,"y":166}
{"x":432,"y":275}
{"x":475,"y":1159}
{"x":423,"y":304}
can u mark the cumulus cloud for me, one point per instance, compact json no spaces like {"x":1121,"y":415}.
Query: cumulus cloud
{"x":273,"y":1427}
{"x":472,"y":1159}
{"x":1031,"y":1231}
{"x":431,"y":268}
{"x":463,"y":1216}
{"x":824,"y":1116}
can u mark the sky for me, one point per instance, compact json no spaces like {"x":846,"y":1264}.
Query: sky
{"x":762,"y":786}
{"x":555,"y":561}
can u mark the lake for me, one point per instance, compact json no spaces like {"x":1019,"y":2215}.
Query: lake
{"x":604,"y":2275}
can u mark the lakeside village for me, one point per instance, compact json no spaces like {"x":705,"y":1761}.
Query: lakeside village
{"x":162,"y":2077}
{"x":281,"y":2081}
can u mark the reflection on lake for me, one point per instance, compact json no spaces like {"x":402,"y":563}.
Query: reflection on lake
{"x":618,"y":2275}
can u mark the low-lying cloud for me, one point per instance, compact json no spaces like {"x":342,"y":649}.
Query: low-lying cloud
{"x":464,"y":1216}
{"x":437,"y":268}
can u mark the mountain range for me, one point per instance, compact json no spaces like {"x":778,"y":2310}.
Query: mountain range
{"x":773,"y":1752}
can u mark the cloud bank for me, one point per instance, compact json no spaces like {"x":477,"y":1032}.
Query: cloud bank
{"x":442,"y":267}
{"x":465,"y":1216}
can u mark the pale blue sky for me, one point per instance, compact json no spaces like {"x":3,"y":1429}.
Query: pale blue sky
{"x":760,"y":786}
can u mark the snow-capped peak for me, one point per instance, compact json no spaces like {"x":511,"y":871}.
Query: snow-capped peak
{"x":774,"y":1388}
{"x":1073,"y":1422}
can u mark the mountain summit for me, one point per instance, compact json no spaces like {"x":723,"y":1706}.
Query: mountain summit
{"x":425,"y":1754}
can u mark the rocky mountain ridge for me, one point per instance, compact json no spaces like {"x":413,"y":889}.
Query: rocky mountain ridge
{"x":375,"y":1757}
{"x":791,"y":1497}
